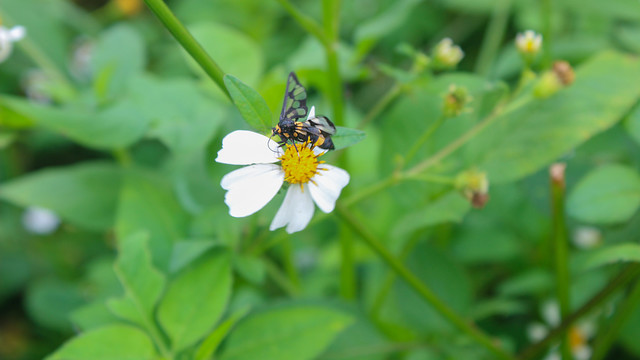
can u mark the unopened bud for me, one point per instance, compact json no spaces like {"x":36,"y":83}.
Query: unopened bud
{"x":129,"y":7}
{"x":556,"y":172}
{"x":474,"y":185}
{"x":564,"y":72}
{"x":455,"y":101}
{"x":446,"y":55}
{"x":586,"y":237}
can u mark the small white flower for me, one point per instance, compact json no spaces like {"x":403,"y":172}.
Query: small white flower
{"x":7,"y":38}
{"x":446,"y":54}
{"x":529,"y":42}
{"x":40,"y":221}
{"x":586,"y":237}
{"x":250,"y":188}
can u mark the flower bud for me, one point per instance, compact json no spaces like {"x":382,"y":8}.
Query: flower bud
{"x":129,"y":7}
{"x":455,"y":101}
{"x":446,"y":55}
{"x":551,"y":81}
{"x":474,"y":185}
{"x":528,"y":44}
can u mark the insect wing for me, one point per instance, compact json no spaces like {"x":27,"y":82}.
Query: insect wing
{"x":323,"y":124}
{"x":294,"y":105}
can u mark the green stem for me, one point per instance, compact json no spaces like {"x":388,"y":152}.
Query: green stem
{"x":561,"y":249}
{"x":367,"y":192}
{"x":425,"y":136}
{"x":380,"y":105}
{"x":188,"y":42}
{"x":289,"y":264}
{"x":123,"y":157}
{"x":331,"y":17}
{"x":304,"y":21}
{"x":610,"y":331}
{"x":547,"y":38}
{"x":493,"y":37}
{"x":347,"y":266}
{"x":280,"y":279}
{"x":630,"y":272}
{"x":437,"y":179}
{"x":425,"y":292}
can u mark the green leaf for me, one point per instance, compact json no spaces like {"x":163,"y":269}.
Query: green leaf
{"x":235,"y":52}
{"x":346,"y":137}
{"x":251,"y":268}
{"x":534,"y":281}
{"x":210,"y":344}
{"x":451,"y":207}
{"x":607,"y":195}
{"x":195,"y":300}
{"x":184,"y":252}
{"x":632,"y":124}
{"x":147,"y":203}
{"x":612,"y":254}
{"x":296,"y":333}
{"x":118,"y":56}
{"x":142,"y":283}
{"x":250,"y":103}
{"x":525,"y":140}
{"x":83,"y":194}
{"x":181,"y":116}
{"x":93,"y":316}
{"x":113,"y":342}
{"x":50,"y":301}
{"x":113,"y":127}
{"x":445,"y":277}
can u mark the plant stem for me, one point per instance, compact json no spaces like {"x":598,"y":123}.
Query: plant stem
{"x":547,"y":13}
{"x":611,"y":330}
{"x":560,"y":248}
{"x":188,"y":42}
{"x":304,"y":21}
{"x":331,"y":17}
{"x":425,"y":292}
{"x":365,"y":193}
{"x":347,"y":265}
{"x":493,"y":37}
{"x":380,"y":105}
{"x":630,"y":272}
{"x":289,"y":264}
{"x":424,"y":137}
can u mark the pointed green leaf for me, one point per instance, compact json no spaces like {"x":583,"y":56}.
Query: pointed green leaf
{"x":451,"y":207}
{"x":607,"y":195}
{"x":70,"y":192}
{"x":613,"y":254}
{"x":250,"y":103}
{"x":113,"y":342}
{"x":525,"y":140}
{"x":195,"y":300}
{"x":346,"y":137}
{"x":142,"y":283}
{"x":292,"y":333}
{"x":210,"y":344}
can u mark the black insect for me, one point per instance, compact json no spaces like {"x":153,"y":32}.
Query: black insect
{"x":317,"y":130}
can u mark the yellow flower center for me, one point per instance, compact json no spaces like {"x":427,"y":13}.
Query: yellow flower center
{"x":576,"y":338}
{"x":299,"y":163}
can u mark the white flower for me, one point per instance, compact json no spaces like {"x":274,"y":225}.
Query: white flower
{"x":446,"y":54}
{"x":7,"y":38}
{"x":40,"y":221}
{"x":586,"y":237}
{"x":250,"y":188}
{"x":579,"y":334}
{"x":529,"y":42}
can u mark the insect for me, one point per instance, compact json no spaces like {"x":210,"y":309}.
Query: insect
{"x":317,"y":130}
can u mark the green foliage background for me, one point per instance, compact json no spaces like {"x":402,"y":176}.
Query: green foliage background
{"x":108,"y":122}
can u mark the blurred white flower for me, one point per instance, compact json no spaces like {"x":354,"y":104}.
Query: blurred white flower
{"x":7,"y":38}
{"x":40,"y":221}
{"x":446,"y":54}
{"x":80,"y":63}
{"x":35,"y":83}
{"x":579,"y":333}
{"x":528,"y":43}
{"x":250,"y":188}
{"x":586,"y":237}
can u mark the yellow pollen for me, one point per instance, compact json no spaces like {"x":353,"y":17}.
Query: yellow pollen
{"x":576,"y":338}
{"x":301,"y":165}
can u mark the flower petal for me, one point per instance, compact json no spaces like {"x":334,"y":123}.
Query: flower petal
{"x":243,"y":147}
{"x":296,"y":210}
{"x":325,"y":187}
{"x":16,"y":33}
{"x":250,"y":188}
